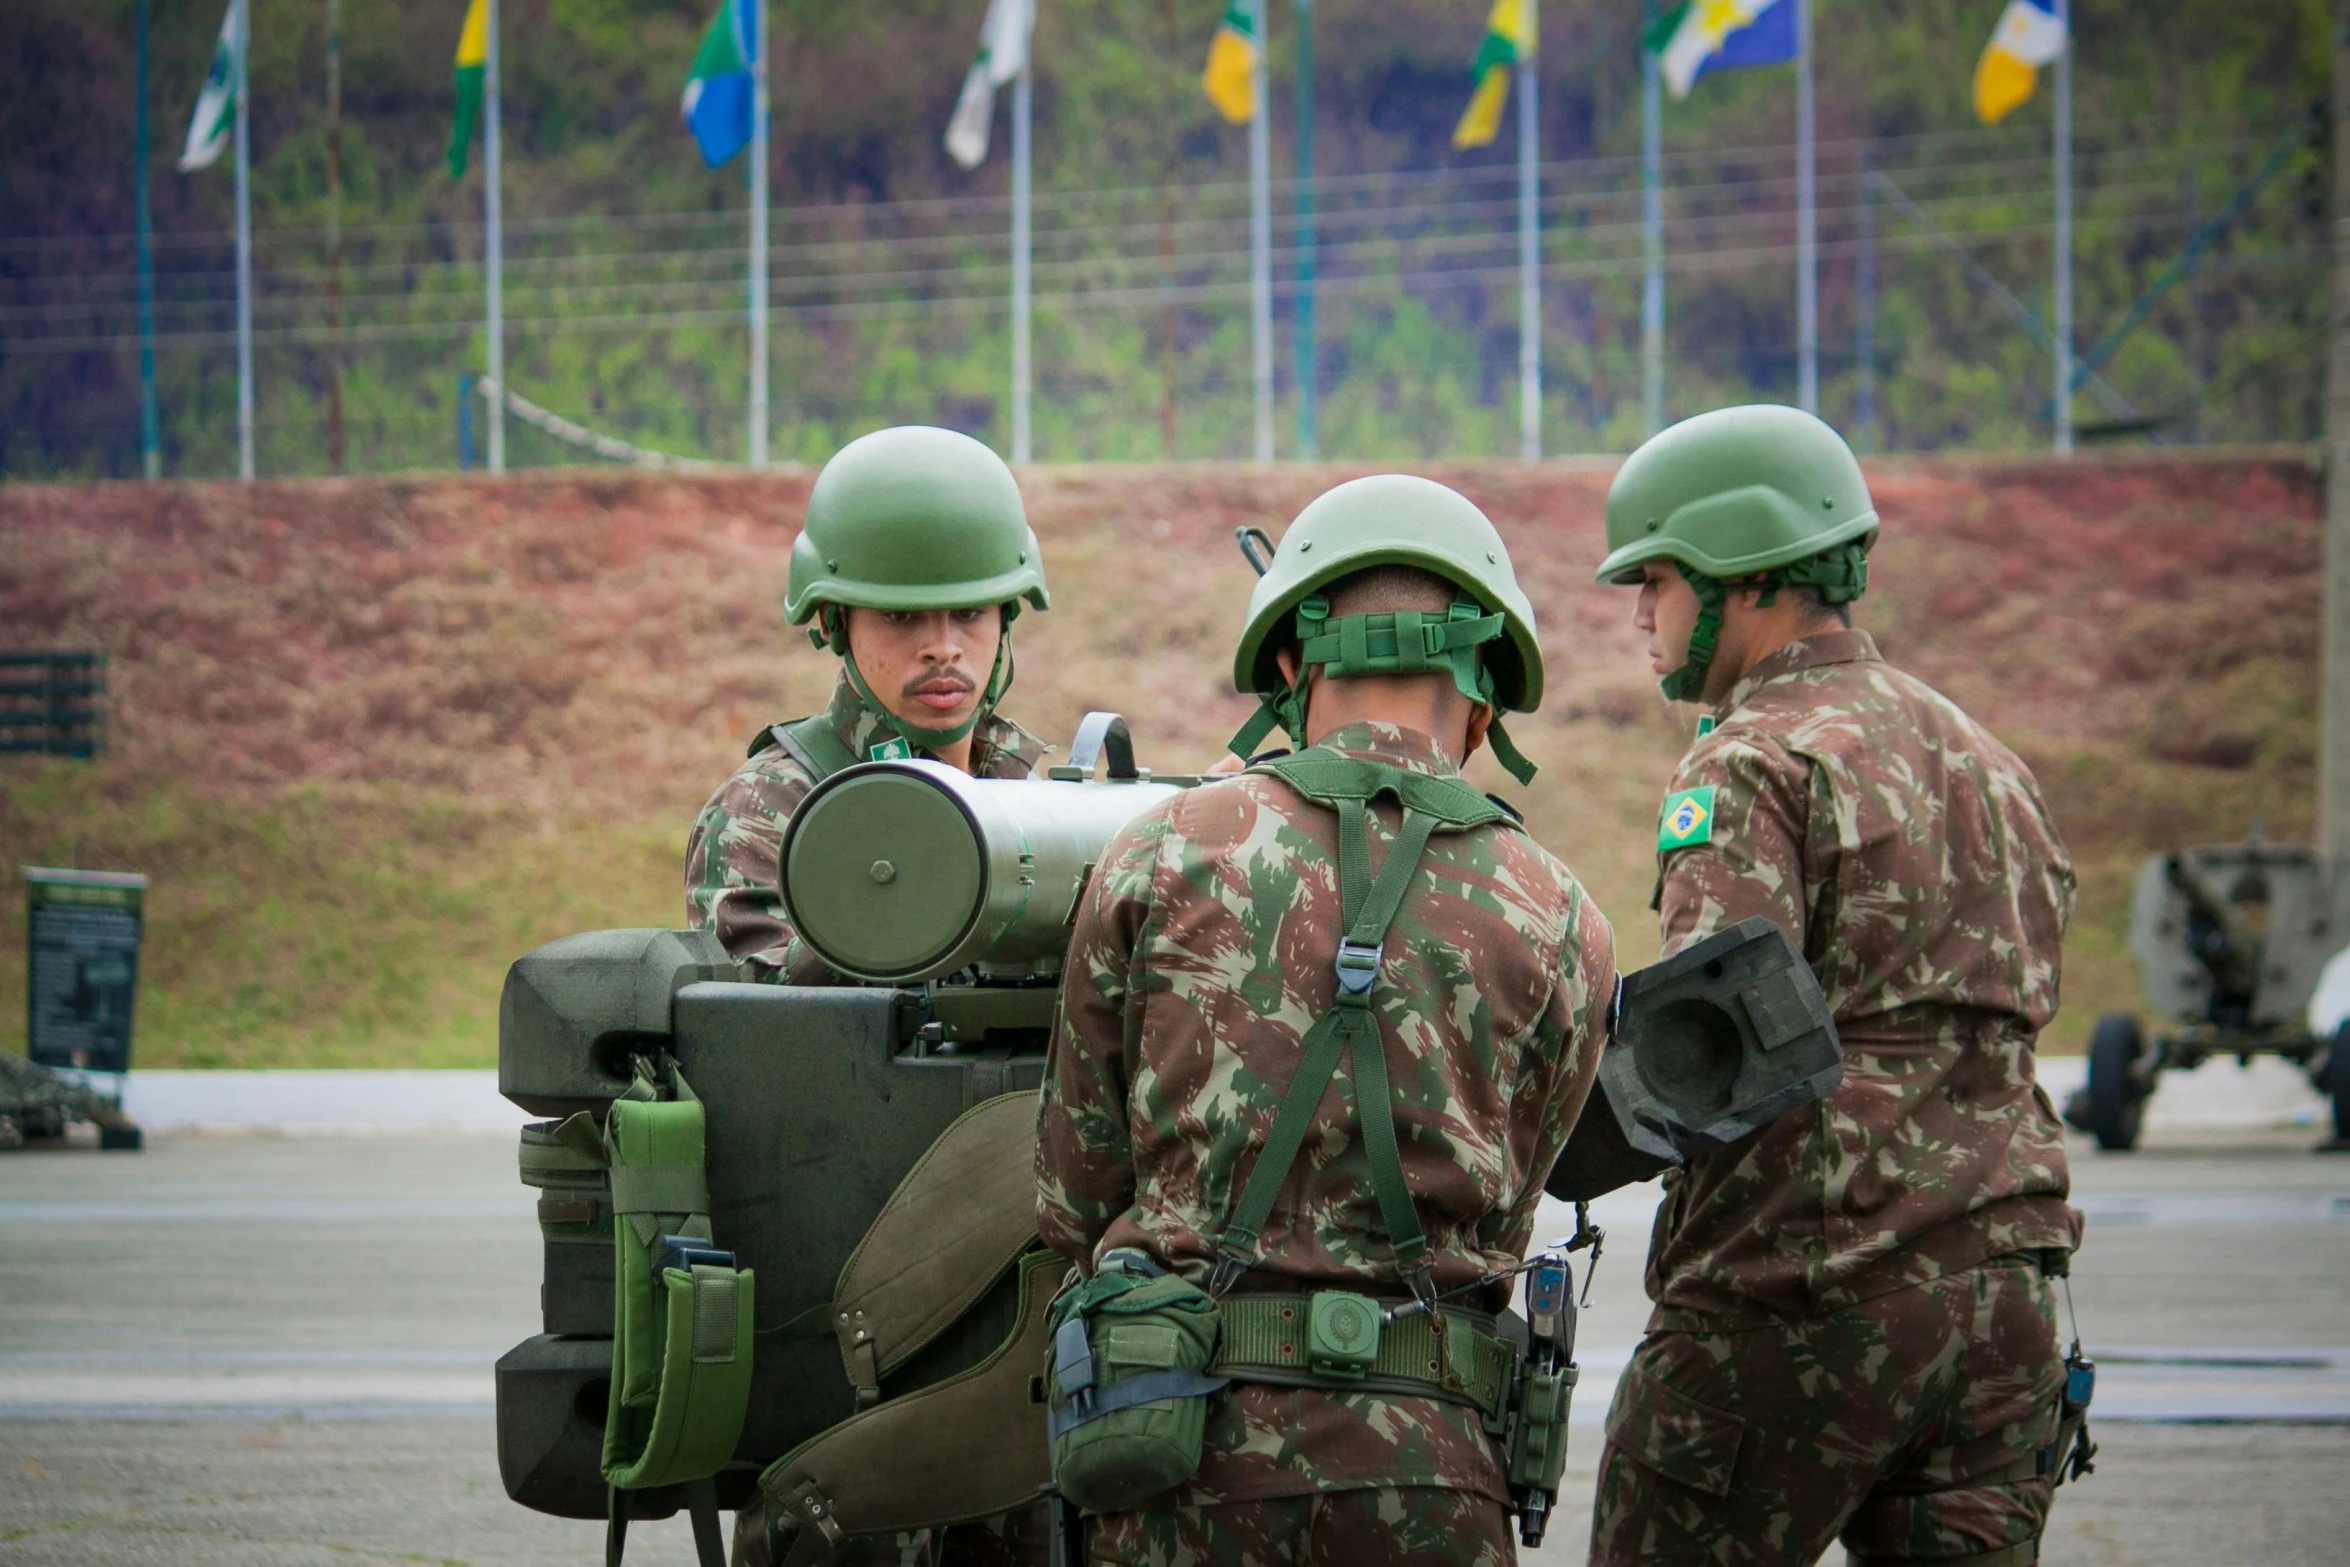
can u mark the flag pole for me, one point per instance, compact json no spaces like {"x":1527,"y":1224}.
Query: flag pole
{"x":1308,"y":436}
{"x":1260,"y":238}
{"x":244,"y":107}
{"x":493,"y":242}
{"x":1807,"y":220}
{"x":1652,"y":231}
{"x":758,"y":267}
{"x":150,"y":426}
{"x":2063,"y":156}
{"x":1864,"y":344}
{"x":1023,"y":255}
{"x":1529,"y":243}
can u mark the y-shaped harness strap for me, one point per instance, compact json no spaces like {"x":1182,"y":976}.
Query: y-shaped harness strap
{"x":1350,"y":1028}
{"x":1403,"y":642}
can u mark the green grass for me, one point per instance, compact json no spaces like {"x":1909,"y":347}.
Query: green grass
{"x":343,"y":927}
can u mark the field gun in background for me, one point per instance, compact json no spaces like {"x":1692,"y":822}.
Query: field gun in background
{"x":2230,"y":940}
{"x":867,"y":1148}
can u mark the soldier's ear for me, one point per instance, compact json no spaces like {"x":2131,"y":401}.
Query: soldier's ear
{"x":1480,"y":720}
{"x":1285,"y":660}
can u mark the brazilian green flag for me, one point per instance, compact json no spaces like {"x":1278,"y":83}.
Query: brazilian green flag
{"x":473,"y":58}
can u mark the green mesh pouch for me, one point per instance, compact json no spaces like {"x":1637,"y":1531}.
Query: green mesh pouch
{"x":1126,"y":1383}
{"x":681,"y":1334}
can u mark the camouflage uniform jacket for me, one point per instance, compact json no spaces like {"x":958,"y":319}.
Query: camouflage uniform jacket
{"x":734,"y":858}
{"x":1912,"y":859}
{"x":1203,"y":953}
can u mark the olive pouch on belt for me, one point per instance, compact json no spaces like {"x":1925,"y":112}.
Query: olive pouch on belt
{"x":1127,"y":1383}
{"x":681,"y":1339}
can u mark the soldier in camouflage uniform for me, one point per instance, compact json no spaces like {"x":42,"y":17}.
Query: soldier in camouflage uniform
{"x":919,"y":536}
{"x":1854,"y":1335}
{"x":1387,"y":637}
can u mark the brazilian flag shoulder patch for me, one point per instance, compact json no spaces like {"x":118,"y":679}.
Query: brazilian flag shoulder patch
{"x":1688,"y":819}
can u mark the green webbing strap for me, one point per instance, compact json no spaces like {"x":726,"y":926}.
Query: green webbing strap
{"x":815,"y":745}
{"x":1398,"y":642}
{"x":1406,"y":642}
{"x":1262,"y":1338}
{"x":1326,"y":778}
{"x":1687,"y":683}
{"x":1349,"y":1028}
{"x":682,"y":1329}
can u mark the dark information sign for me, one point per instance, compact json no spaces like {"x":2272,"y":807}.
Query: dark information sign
{"x":83,"y":942}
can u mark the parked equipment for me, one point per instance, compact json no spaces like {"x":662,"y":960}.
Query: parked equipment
{"x":2230,"y":940}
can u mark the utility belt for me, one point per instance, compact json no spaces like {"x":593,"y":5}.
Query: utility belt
{"x":1452,"y":1354}
{"x":1137,"y":1353}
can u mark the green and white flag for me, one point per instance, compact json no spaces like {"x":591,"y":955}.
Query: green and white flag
{"x":216,"y":105}
{"x":1003,"y":55}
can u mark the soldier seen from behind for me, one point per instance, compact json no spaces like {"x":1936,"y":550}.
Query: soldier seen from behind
{"x":1324,"y":1028}
{"x":1854,"y":1335}
{"x":913,"y":564}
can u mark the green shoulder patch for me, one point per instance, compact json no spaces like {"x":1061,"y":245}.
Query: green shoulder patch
{"x":894,"y":749}
{"x":1688,"y":819}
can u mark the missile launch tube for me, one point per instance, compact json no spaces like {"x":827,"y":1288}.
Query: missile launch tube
{"x":897,"y":872}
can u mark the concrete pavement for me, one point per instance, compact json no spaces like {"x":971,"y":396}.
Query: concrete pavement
{"x":276,"y":1351}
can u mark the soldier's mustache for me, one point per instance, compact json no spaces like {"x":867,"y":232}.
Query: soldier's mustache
{"x":939,"y":678}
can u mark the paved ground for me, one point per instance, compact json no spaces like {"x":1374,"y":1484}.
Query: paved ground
{"x":243,"y":1351}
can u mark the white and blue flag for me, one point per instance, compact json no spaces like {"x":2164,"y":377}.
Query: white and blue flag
{"x":1705,"y":36}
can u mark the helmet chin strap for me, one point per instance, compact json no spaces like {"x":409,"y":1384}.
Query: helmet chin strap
{"x":1839,"y":576}
{"x":1401,"y":642}
{"x":919,"y":736}
{"x":1687,"y":683}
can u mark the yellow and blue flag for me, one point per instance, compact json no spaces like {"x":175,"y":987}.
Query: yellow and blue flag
{"x":718,"y":91}
{"x":1509,"y":38}
{"x":1230,"y":79}
{"x":2030,"y":34}
{"x":1705,"y":36}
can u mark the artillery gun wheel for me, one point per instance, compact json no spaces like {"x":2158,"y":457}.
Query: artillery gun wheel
{"x":2117,"y":1106}
{"x":2338,"y":1084}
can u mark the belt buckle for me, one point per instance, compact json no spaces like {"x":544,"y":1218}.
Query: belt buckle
{"x":1342,"y":1334}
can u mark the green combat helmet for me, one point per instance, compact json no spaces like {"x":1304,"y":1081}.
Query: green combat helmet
{"x":1760,"y":496}
{"x":914,"y":518}
{"x":1392,"y":520}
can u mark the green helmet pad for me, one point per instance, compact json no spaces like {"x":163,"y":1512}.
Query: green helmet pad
{"x":1393,"y":520}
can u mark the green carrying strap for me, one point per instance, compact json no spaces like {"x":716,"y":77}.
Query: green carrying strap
{"x":1400,"y":642}
{"x":831,"y":631}
{"x":682,"y":1329}
{"x":1350,"y":1029}
{"x":813,"y":743}
{"x":1839,"y":575}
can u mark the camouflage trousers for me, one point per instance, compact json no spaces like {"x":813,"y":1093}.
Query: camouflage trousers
{"x":1015,"y":1539}
{"x":1382,"y":1526}
{"x":1908,"y":1426}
